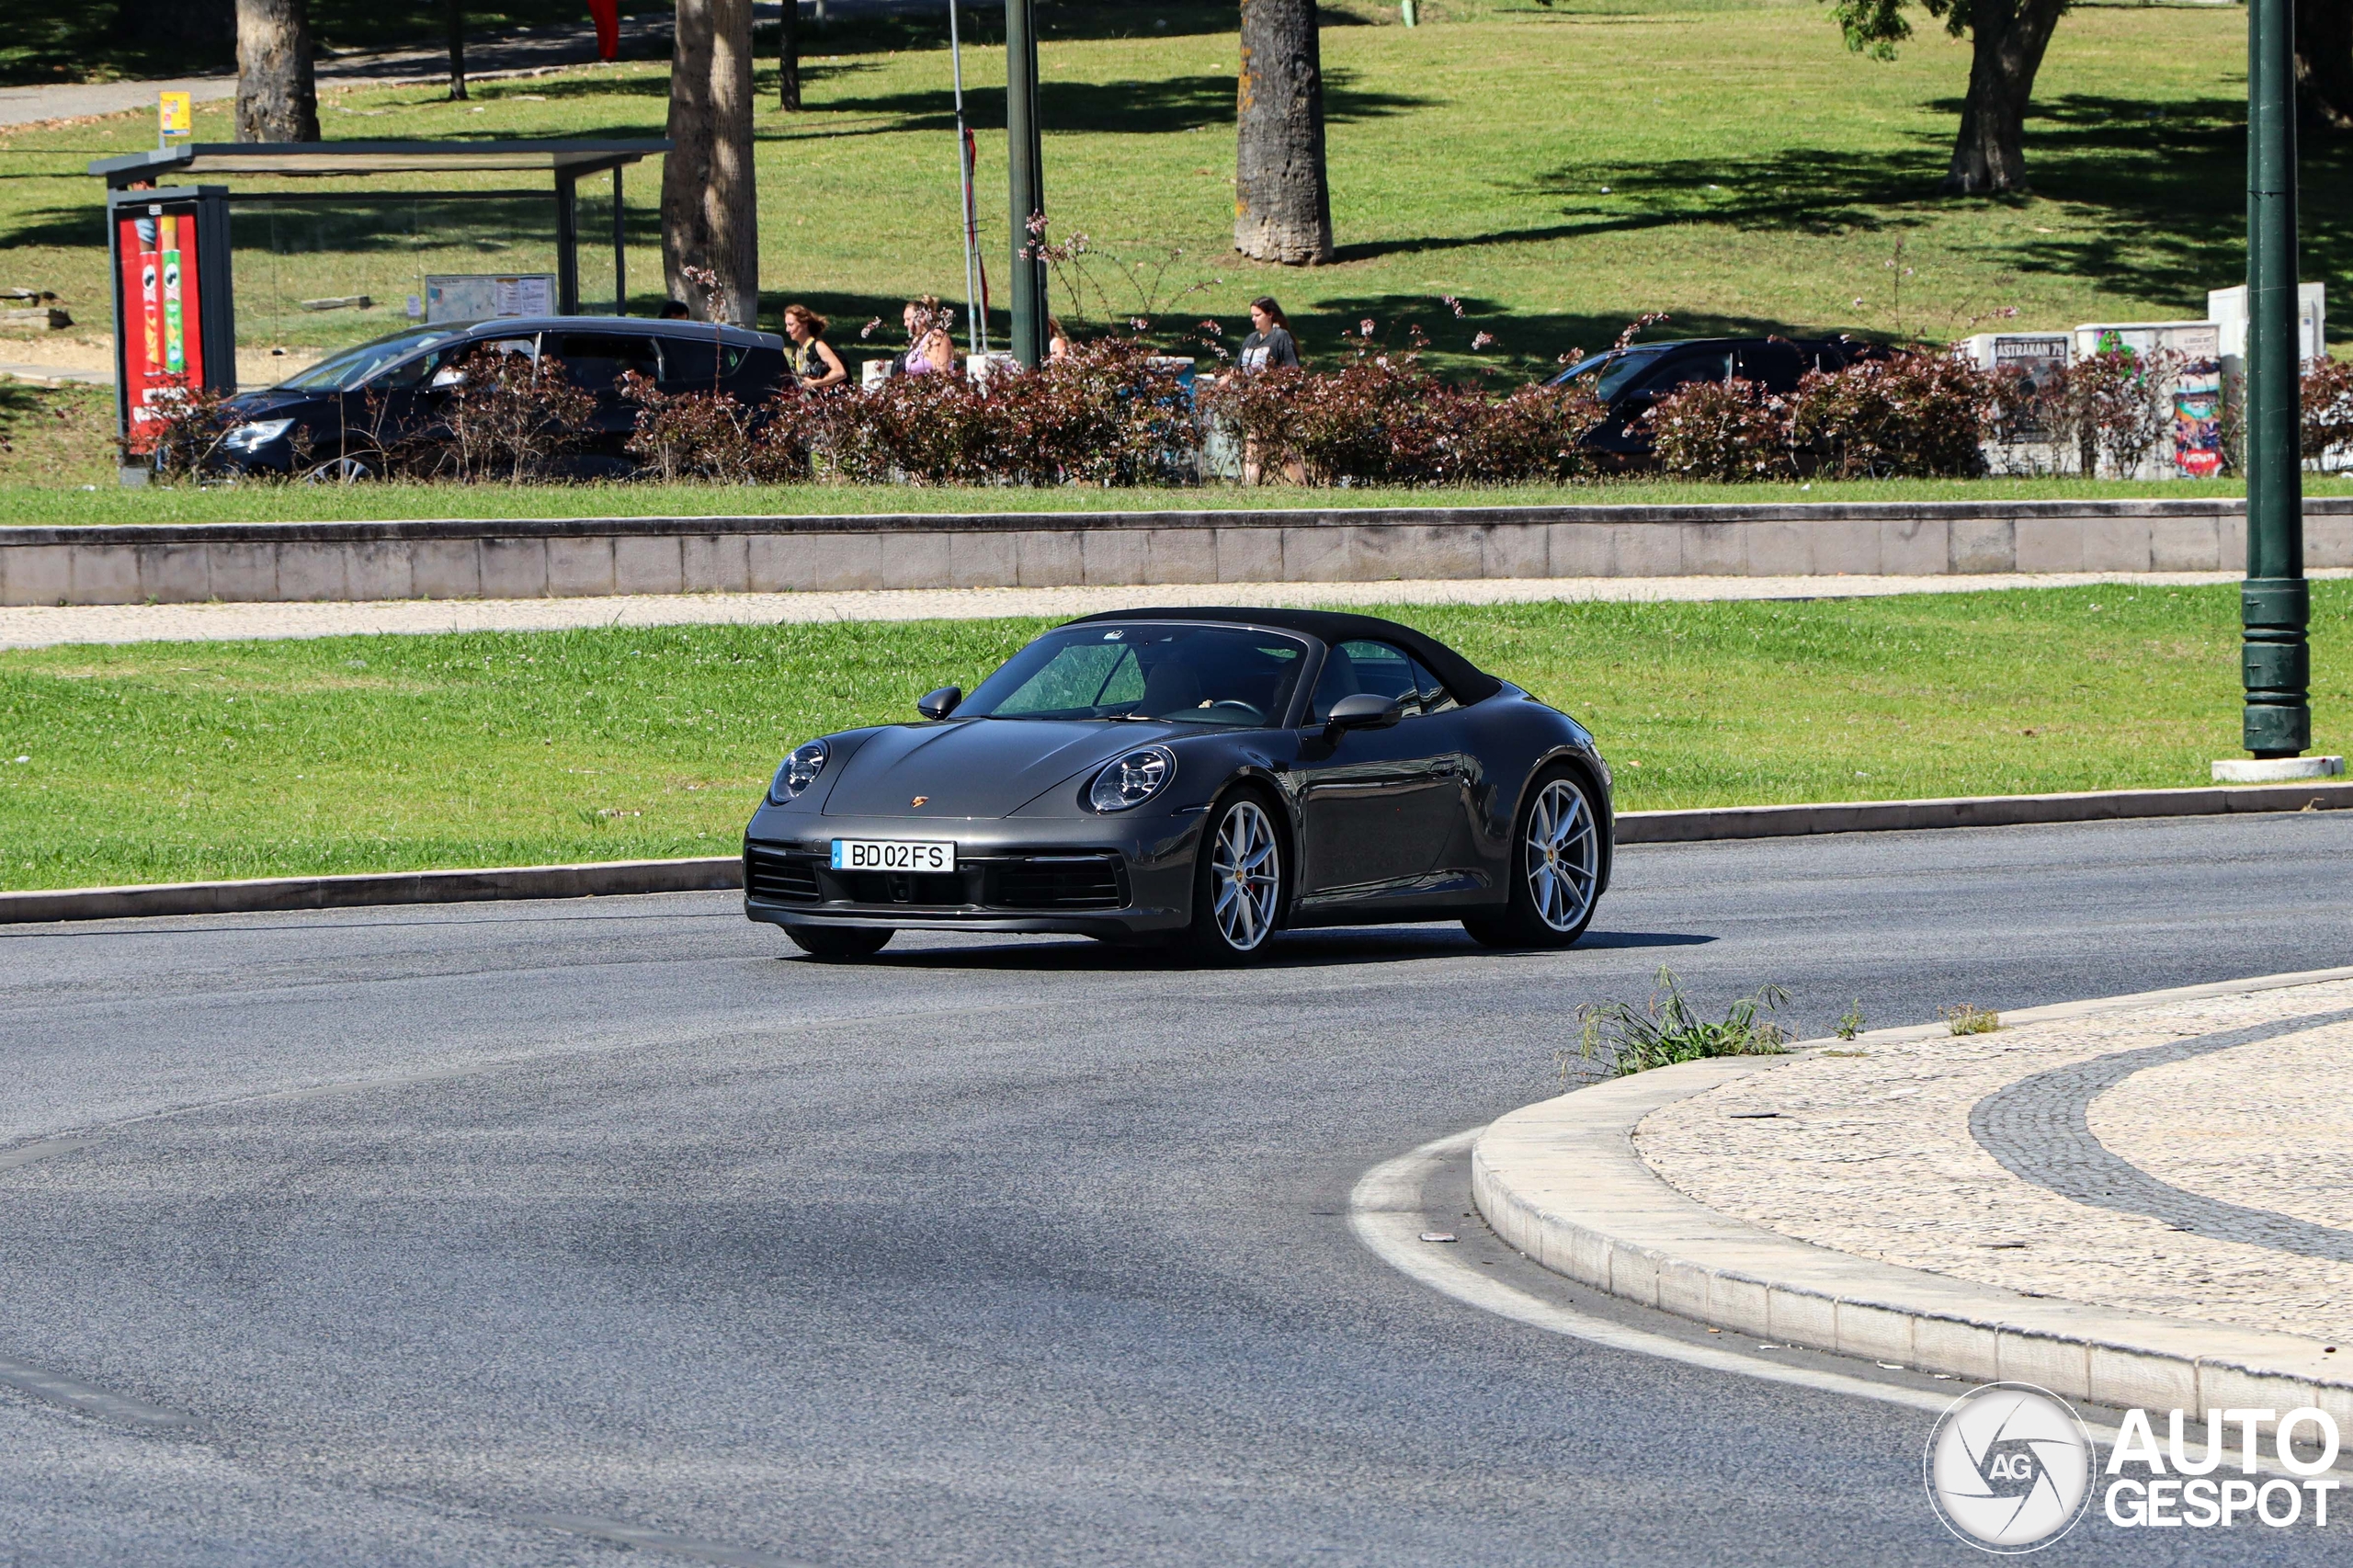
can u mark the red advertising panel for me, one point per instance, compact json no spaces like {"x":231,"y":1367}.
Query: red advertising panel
{"x":161,"y":354}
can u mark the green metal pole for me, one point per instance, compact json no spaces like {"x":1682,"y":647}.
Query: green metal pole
{"x":1026,"y":157}
{"x":2274,"y":603}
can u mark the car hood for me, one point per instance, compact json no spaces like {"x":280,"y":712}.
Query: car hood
{"x":978,"y":768}
{"x":263,"y":402}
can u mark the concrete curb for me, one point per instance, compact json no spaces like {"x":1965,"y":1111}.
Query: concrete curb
{"x":1974,"y":811}
{"x":1561,"y":1181}
{"x":262,"y":894}
{"x":606,"y":878}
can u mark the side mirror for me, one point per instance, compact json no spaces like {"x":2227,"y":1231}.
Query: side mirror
{"x":941,"y":703}
{"x":1365,"y":710}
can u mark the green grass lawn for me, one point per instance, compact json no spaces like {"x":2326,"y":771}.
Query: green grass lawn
{"x":1557,"y":169}
{"x":169,"y":762}
{"x":105,"y":502}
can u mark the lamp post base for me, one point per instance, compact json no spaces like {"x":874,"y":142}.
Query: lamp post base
{"x":2276,"y":769}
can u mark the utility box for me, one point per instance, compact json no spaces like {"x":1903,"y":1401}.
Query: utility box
{"x":2190,"y":395}
{"x":2228,"y":307}
{"x":2026,"y":444}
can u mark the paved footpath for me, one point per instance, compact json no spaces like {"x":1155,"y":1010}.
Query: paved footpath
{"x":48,"y":625}
{"x":2190,"y":1160}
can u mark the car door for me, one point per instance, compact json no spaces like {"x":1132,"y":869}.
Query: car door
{"x":1772,"y":365}
{"x":1375,"y":805}
{"x":597,"y":363}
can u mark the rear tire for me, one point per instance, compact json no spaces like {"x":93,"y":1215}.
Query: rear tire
{"x":1240,"y":880}
{"x":1555,"y":869}
{"x":839,"y":942}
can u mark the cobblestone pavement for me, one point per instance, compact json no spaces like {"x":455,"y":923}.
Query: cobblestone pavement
{"x":2188,"y":1158}
{"x":41,"y":626}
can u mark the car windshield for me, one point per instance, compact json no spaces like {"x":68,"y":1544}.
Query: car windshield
{"x":1186,"y":674}
{"x":341,"y":372}
{"x":1612,"y":372}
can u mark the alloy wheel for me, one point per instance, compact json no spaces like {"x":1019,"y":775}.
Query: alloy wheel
{"x":1245,"y":875}
{"x":1563,"y":856}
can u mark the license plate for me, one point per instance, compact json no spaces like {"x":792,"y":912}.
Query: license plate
{"x":893,"y":855}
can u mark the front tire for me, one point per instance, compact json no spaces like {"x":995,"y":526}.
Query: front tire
{"x":1239,"y":881}
{"x":1555,"y":869}
{"x":837,"y":943}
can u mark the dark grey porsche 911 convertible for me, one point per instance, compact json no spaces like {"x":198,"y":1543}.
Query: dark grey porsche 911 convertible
{"x":1203,"y":776}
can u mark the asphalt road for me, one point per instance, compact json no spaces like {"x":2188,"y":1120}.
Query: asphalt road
{"x":511,"y":1234}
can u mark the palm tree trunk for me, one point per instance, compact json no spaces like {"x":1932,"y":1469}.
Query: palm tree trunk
{"x":787,"y":59}
{"x":1283,"y":207}
{"x":2325,"y":63}
{"x":2008,"y":39}
{"x":710,"y":211}
{"x":457,"y":21}
{"x":277,"y":100}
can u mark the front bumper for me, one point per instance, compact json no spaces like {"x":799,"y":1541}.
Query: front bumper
{"x":1094,"y":877}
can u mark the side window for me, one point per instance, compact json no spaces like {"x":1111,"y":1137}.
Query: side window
{"x":1773,"y":365}
{"x":1436,"y":698}
{"x":688,"y":362}
{"x":406,"y":375}
{"x":1683,"y":367}
{"x":449,"y":375}
{"x":1353,"y":667}
{"x":595,"y":360}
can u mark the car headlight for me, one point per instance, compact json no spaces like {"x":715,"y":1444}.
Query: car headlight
{"x":1133,"y":779}
{"x":260,"y":433}
{"x":800,"y":771}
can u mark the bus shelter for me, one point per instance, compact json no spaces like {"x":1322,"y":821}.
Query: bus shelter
{"x":305,"y":247}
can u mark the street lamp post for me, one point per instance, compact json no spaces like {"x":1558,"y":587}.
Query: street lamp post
{"x":2274,"y":603}
{"x":1026,"y":159}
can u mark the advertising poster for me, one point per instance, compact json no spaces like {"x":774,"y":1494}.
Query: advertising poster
{"x":2198,"y":420}
{"x":162,"y":352}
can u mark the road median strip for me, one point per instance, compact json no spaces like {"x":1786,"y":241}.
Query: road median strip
{"x":606,"y":878}
{"x":1563,"y":1182}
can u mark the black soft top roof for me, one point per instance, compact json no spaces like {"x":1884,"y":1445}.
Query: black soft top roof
{"x":1464,"y":680}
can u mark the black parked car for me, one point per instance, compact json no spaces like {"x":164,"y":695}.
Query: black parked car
{"x":1203,"y":776}
{"x":336,"y":419}
{"x":1631,"y":379}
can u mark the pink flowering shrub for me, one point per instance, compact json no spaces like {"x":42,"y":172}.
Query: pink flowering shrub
{"x":1907,"y":416}
{"x":1720,"y":431}
{"x":1106,"y":415}
{"x":1384,"y":418}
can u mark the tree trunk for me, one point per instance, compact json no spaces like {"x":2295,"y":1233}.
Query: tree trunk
{"x":1283,"y":207}
{"x":2325,"y":63}
{"x":457,"y":19}
{"x":2007,"y":40}
{"x":277,"y":100}
{"x":710,"y":213}
{"x":787,"y":59}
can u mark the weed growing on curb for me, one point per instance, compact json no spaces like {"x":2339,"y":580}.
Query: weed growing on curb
{"x":1665,"y":1030}
{"x":1969,"y":1019}
{"x":1850,"y":1022}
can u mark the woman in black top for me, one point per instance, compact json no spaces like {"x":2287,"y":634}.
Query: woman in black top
{"x":1270,"y":344}
{"x":814,"y":364}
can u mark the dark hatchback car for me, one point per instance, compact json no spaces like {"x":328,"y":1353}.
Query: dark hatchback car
{"x":1628,"y":380}
{"x":336,"y":419}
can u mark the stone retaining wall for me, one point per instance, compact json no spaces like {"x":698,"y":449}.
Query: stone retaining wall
{"x":582,"y":557}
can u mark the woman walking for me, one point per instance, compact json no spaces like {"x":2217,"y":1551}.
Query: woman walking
{"x":1270,"y":345}
{"x":814,"y":364}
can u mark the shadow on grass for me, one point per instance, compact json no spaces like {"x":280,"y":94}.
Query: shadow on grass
{"x":1156,"y":107}
{"x":2154,"y":192}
